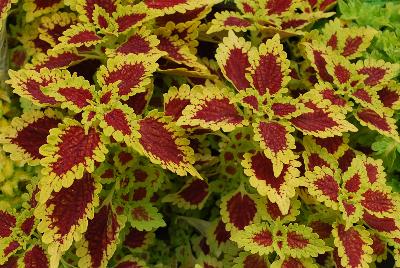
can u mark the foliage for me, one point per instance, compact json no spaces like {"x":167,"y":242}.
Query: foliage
{"x":194,"y":133}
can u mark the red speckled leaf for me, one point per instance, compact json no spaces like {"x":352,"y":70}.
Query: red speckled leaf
{"x":35,"y":257}
{"x":26,"y":134}
{"x":7,"y":223}
{"x":130,"y":75}
{"x":353,"y":245}
{"x":30,"y":84}
{"x":65,"y":213}
{"x":321,"y":122}
{"x":86,"y":8}
{"x":238,"y":210}
{"x":100,"y":240}
{"x":212,"y":107}
{"x":192,"y":195}
{"x":280,"y":188}
{"x":269,"y":67}
{"x":69,"y":152}
{"x":233,"y":58}
{"x":376,"y":120}
{"x":163,"y":142}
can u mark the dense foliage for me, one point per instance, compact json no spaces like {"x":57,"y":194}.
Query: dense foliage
{"x":199,"y":133}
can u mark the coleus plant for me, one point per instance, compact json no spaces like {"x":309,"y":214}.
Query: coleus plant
{"x":147,"y":148}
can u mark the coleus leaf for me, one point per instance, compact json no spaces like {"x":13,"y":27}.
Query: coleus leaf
{"x":380,"y":121}
{"x":64,"y":215}
{"x":130,"y":75}
{"x":100,"y":241}
{"x":176,"y":100}
{"x":143,"y":216}
{"x":181,"y":6}
{"x":247,"y":260}
{"x":270,"y":211}
{"x":318,"y":58}
{"x":30,"y":84}
{"x":23,"y":138}
{"x":137,"y":240}
{"x":387,"y":226}
{"x":192,"y":195}
{"x":291,"y":262}
{"x":379,"y":247}
{"x":342,"y":71}
{"x":352,"y":42}
{"x":56,"y":58}
{"x":7,"y":224}
{"x":247,"y":7}
{"x":211,"y":107}
{"x":277,"y":142}
{"x":86,"y":8}
{"x":129,"y":17}
{"x":322,"y":122}
{"x":74,"y":92}
{"x":279,"y":189}
{"x":140,"y":42}
{"x":53,"y":25}
{"x":239,"y":209}
{"x":218,"y":235}
{"x":333,"y":145}
{"x":131,"y":262}
{"x":326,"y":92}
{"x":4,"y":8}
{"x":354,"y":245}
{"x":390,"y":96}
{"x":80,"y":35}
{"x":164,"y":143}
{"x":323,"y":183}
{"x":293,"y":240}
{"x":269,"y":68}
{"x":229,"y":20}
{"x":187,"y":18}
{"x":8,"y":247}
{"x":314,"y":156}
{"x":377,"y":72}
{"x":35,"y":256}
{"x":37,"y":8}
{"x":233,"y":59}
{"x":70,"y":152}
{"x":118,"y":123}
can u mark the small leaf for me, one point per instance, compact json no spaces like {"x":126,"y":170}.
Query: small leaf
{"x":143,"y":216}
{"x":229,"y":20}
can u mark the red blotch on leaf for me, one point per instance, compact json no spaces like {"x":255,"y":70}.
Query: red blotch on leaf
{"x":127,"y":21}
{"x":332,"y":42}
{"x":34,"y":135}
{"x":273,"y":135}
{"x":330,"y":95}
{"x":78,"y":96}
{"x":175,"y":107}
{"x":7,"y":223}
{"x":70,"y":204}
{"x":83,"y":37}
{"x":159,"y":141}
{"x":118,"y":120}
{"x":268,"y":75}
{"x":292,"y":263}
{"x":328,"y":186}
{"x":160,"y":4}
{"x":27,"y":225}
{"x":64,"y":59}
{"x":318,"y":120}
{"x":241,"y":210}
{"x":352,"y":243}
{"x":220,"y":233}
{"x":384,"y":224}
{"x":371,"y":117}
{"x":166,"y":45}
{"x":345,"y":159}
{"x":254,"y":261}
{"x":331,"y":144}
{"x":388,"y":97}
{"x":235,"y":68}
{"x":101,"y":232}
{"x":135,"y":238}
{"x":351,"y":45}
{"x":263,"y":170}
{"x":362,"y":94}
{"x":377,"y":201}
{"x":135,"y":44}
{"x":323,"y":229}
{"x":320,"y":63}
{"x":195,"y":192}
{"x":375,"y":75}
{"x":353,"y":184}
{"x":283,"y":109}
{"x":296,"y":240}
{"x":35,"y":257}
{"x":129,"y":75}
{"x":278,"y":6}
{"x":235,"y":21}
{"x":342,"y":74}
{"x":74,"y":147}
{"x":219,"y":110}
{"x":263,"y":238}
